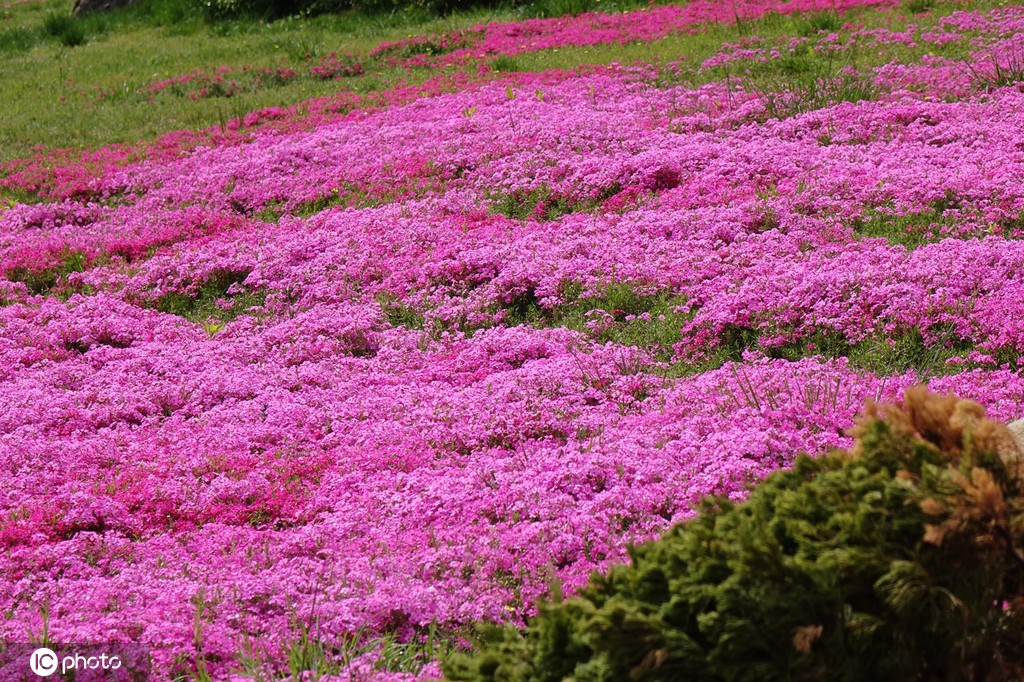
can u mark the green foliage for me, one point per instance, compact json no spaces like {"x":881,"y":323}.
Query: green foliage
{"x":626,"y":314}
{"x":399,"y":314}
{"x":919,"y":6}
{"x":41,"y":281}
{"x":314,"y":206}
{"x":898,"y":560}
{"x":804,"y":78}
{"x":817,"y":22}
{"x":907,"y":229}
{"x":559,"y":8}
{"x":65,"y":28}
{"x":620,"y":312}
{"x":991,"y":74}
{"x":505,"y":64}
{"x":17,"y":39}
{"x":882,"y":354}
{"x":543,"y":204}
{"x":629,"y":314}
{"x":213,"y":299}
{"x":905,"y":350}
{"x":162,"y":12}
{"x":802,"y":86}
{"x":219,"y":10}
{"x":309,"y":655}
{"x":98,"y":93}
{"x":533,"y":8}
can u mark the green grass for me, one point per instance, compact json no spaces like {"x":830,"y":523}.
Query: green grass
{"x":931,"y":225}
{"x":910,"y":229}
{"x":653,"y":319}
{"x":66,"y":29}
{"x":307,"y":653}
{"x":202,"y":306}
{"x":620,"y":313}
{"x":558,"y":8}
{"x":41,"y":281}
{"x":82,"y":81}
{"x":884,"y":354}
{"x":811,"y":23}
{"x":881,"y":354}
{"x":505,"y":64}
{"x":399,"y":314}
{"x":544,"y":205}
{"x":693,"y":49}
{"x":919,"y":6}
{"x":94,"y":93}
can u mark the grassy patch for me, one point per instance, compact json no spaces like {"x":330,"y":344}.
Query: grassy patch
{"x":559,"y":8}
{"x":42,"y":281}
{"x":802,"y":78}
{"x":505,"y":64}
{"x":798,"y":84}
{"x":992,"y":74}
{"x":17,"y":39}
{"x":430,"y":45}
{"x":354,"y":197}
{"x":910,"y":230}
{"x":96,"y":93}
{"x":335,"y":198}
{"x":919,"y":6}
{"x":620,"y":313}
{"x":309,"y":655}
{"x":631,"y":315}
{"x":882,"y":354}
{"x":626,"y":315}
{"x":215,"y":299}
{"x":64,"y":27}
{"x":543,"y":204}
{"x":812,"y":23}
{"x":399,"y":314}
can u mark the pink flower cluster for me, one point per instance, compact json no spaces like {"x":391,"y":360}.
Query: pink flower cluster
{"x":371,"y":444}
{"x":333,"y":65}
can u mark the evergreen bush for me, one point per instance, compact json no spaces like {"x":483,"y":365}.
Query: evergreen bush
{"x":899,"y":559}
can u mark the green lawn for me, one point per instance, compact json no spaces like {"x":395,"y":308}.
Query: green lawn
{"x":95,"y":93}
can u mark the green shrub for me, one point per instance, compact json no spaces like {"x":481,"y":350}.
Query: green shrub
{"x":65,"y":28}
{"x":898,"y":560}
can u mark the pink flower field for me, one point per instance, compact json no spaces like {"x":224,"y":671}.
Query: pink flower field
{"x":398,"y":369}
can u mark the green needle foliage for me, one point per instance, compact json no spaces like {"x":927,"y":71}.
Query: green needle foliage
{"x":897,"y":560}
